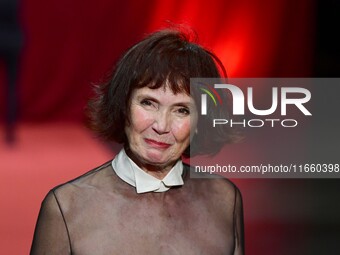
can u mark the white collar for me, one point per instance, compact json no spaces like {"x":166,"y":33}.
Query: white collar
{"x":129,"y":172}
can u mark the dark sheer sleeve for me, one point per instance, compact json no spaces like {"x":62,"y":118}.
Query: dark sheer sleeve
{"x":51,"y":234}
{"x":238,"y":224}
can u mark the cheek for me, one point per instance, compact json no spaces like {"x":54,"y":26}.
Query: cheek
{"x":181,"y":130}
{"x":140,"y":120}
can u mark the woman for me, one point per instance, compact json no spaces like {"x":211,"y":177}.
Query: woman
{"x":144,"y":201}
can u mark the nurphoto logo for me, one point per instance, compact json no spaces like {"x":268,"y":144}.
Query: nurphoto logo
{"x":281,"y":97}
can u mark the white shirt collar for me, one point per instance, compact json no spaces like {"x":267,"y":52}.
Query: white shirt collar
{"x":129,"y":172}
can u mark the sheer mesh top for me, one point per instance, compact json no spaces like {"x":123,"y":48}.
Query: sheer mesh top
{"x":98,"y":214}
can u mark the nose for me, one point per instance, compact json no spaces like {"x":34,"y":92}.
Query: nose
{"x":161,"y":123}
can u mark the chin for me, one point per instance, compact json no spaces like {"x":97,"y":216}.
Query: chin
{"x":157,"y":158}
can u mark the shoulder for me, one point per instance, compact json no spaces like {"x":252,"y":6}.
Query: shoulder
{"x":96,"y":180}
{"x":215,"y":184}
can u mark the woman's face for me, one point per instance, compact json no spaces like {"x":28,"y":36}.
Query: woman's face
{"x":160,"y":126}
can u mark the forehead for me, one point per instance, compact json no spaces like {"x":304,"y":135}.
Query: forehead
{"x":163,"y":94}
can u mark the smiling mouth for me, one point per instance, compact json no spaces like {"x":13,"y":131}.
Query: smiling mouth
{"x":157,"y":144}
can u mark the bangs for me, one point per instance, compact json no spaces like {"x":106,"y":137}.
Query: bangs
{"x":173,"y":60}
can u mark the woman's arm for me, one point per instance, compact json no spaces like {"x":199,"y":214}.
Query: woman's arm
{"x":51,"y":234}
{"x":238,"y":224}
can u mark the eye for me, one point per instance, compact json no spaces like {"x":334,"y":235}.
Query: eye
{"x":146,"y":102}
{"x":183,"y":111}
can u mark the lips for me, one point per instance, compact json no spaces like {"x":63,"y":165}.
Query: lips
{"x":157,"y":144}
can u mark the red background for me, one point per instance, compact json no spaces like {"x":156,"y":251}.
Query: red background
{"x":70,"y":45}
